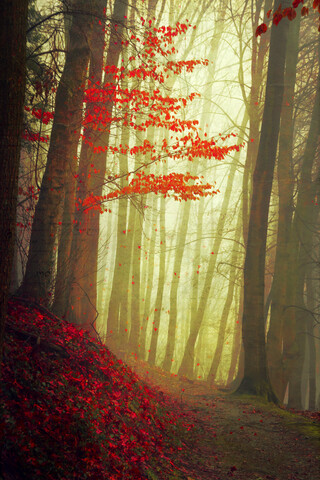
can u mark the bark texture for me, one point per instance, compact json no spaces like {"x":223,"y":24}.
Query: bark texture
{"x":13,"y":24}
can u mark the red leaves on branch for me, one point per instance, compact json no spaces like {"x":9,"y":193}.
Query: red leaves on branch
{"x":261,"y":29}
{"x":112,"y":104}
{"x":45,"y":117}
{"x":174,"y":185}
{"x":35,"y":137}
{"x":278,"y":15}
{"x":289,"y":12}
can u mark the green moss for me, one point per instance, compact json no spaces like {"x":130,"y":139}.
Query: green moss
{"x":293,"y":421}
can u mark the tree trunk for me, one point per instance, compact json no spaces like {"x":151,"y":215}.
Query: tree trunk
{"x":181,"y":237}
{"x":48,"y":213}
{"x":256,"y":378}
{"x":312,"y":357}
{"x":135,"y":286}
{"x":225,"y":313}
{"x":253,"y":106}
{"x":12,"y":82}
{"x":162,"y":275}
{"x":92,"y":167}
{"x":149,"y":281}
{"x":285,"y":188}
{"x":237,"y":355}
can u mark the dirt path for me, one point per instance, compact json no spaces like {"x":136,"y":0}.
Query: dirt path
{"x":251,"y":442}
{"x":240,"y":438}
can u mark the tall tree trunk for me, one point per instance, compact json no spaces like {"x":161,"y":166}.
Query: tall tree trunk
{"x":13,"y":25}
{"x":300,"y":256}
{"x":48,"y":212}
{"x":181,"y":237}
{"x":285,"y":189}
{"x":226,"y":309}
{"x":253,"y":106}
{"x":149,"y":281}
{"x":92,"y":167}
{"x":312,"y":359}
{"x":256,"y":378}
{"x":161,"y":280}
{"x":136,"y":257}
{"x":237,"y":355}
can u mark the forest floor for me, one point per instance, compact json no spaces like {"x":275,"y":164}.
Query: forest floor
{"x":71,"y":410}
{"x":239,"y":437}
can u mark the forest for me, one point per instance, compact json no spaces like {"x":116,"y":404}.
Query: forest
{"x":159,"y":237}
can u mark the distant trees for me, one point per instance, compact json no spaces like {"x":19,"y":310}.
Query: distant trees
{"x":71,"y":196}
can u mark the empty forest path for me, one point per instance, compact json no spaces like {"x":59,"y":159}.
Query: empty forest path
{"x":240,"y":437}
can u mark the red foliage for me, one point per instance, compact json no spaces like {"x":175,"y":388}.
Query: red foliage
{"x":278,"y":15}
{"x":289,"y":12}
{"x":69,"y":406}
{"x":34,"y":137}
{"x":261,"y":29}
{"x":45,"y":117}
{"x":140,"y":109}
{"x":174,"y":185}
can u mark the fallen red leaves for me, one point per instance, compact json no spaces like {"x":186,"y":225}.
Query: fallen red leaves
{"x":71,"y":409}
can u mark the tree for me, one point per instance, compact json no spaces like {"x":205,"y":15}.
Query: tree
{"x":107,"y":104}
{"x":256,"y":380}
{"x":114,"y":103}
{"x":63,"y":144}
{"x":281,"y":277}
{"x":13,"y":24}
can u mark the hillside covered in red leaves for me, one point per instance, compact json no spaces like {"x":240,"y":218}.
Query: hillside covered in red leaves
{"x":71,"y":410}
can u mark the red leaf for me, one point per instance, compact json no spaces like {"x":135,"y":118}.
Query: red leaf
{"x":277,"y":18}
{"x":290,"y":13}
{"x":296,"y":3}
{"x":261,"y":29}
